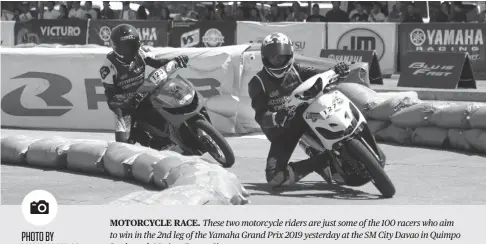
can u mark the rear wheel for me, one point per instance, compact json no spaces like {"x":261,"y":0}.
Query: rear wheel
{"x":214,"y":143}
{"x":380,"y":179}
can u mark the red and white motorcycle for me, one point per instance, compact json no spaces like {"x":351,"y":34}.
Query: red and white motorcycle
{"x":340,"y":130}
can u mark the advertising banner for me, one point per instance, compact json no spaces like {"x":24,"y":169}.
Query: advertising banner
{"x":442,"y":70}
{"x":447,"y":37}
{"x":203,"y":34}
{"x":308,"y":38}
{"x":380,"y":37}
{"x":8,"y":33}
{"x":66,"y":31}
{"x":152,"y":32}
{"x":62,"y":90}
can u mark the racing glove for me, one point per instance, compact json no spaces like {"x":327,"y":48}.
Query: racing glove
{"x":182,"y":61}
{"x":280,"y":118}
{"x":342,"y":69}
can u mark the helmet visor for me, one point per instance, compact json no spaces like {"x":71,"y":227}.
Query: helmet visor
{"x":128,"y":48}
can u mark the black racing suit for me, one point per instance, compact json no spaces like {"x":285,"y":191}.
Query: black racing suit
{"x":121,"y":80}
{"x":268,"y":95}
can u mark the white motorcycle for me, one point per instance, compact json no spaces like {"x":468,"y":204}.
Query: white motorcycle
{"x":340,"y":130}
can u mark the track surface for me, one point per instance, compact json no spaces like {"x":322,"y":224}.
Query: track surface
{"x":421,"y":176}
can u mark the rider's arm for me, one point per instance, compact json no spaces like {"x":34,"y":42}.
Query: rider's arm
{"x":259,"y":103}
{"x":150,"y":60}
{"x":107,"y":73}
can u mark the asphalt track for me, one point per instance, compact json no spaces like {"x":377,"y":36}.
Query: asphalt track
{"x":421,"y":176}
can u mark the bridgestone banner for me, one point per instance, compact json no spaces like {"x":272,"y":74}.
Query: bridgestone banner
{"x":67,"y":32}
{"x":447,"y":37}
{"x":379,"y":37}
{"x":152,"y":32}
{"x":308,"y":38}
{"x":203,"y":34}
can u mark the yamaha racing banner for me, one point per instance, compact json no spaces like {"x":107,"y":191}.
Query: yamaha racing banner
{"x":378,"y":37}
{"x":203,"y":34}
{"x":152,"y":32}
{"x":308,"y":38}
{"x":447,"y":37}
{"x":66,"y":32}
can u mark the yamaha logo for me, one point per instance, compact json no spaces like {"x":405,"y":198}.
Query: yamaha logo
{"x":362,"y":39}
{"x":105,"y":33}
{"x":417,"y":37}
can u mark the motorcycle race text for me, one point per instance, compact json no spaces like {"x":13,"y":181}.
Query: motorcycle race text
{"x":224,"y":231}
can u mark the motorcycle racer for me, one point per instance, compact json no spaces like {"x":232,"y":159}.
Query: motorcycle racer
{"x":122,"y":73}
{"x":269,"y":90}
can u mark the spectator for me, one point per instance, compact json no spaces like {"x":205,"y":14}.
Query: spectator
{"x":24,"y":12}
{"x":7,"y":11}
{"x":16,"y":14}
{"x":240,"y":14}
{"x":356,"y":5}
{"x":210,"y":14}
{"x":141,"y":13}
{"x":165,"y":14}
{"x":255,"y":15}
{"x":396,"y":15}
{"x":127,"y":13}
{"x":51,"y":13}
{"x":63,"y":12}
{"x":88,"y":5}
{"x":376,"y":15}
{"x":412,"y":16}
{"x":76,"y":11}
{"x":316,"y":16}
{"x":107,"y":12}
{"x":444,"y":13}
{"x":482,"y":17}
{"x":458,"y":15}
{"x":296,"y":15}
{"x":183,"y":16}
{"x":275,"y":15}
{"x":220,"y":13}
{"x":360,"y":15}
{"x":336,"y":14}
{"x":69,"y":5}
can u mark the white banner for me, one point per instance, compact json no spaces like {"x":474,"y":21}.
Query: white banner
{"x":60,"y":88}
{"x":365,"y":36}
{"x":8,"y":35}
{"x":308,"y":38}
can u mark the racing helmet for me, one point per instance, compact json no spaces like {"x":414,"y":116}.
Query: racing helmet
{"x":277,"y":54}
{"x":125,"y":41}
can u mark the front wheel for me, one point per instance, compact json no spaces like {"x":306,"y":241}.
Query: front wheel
{"x":372,"y":165}
{"x":214,"y":143}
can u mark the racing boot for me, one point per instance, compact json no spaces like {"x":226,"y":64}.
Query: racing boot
{"x":321,"y":161}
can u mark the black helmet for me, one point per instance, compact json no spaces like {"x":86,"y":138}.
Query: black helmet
{"x":273,"y":46}
{"x":125,"y":41}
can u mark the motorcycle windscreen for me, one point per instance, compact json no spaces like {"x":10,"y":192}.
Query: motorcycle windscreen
{"x":175,"y":92}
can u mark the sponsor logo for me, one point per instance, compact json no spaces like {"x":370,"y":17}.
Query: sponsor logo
{"x":421,"y":68}
{"x":60,"y":31}
{"x":274,"y":93}
{"x":448,"y":40}
{"x":213,"y":38}
{"x":346,"y":58}
{"x":362,"y":39}
{"x":191,"y":38}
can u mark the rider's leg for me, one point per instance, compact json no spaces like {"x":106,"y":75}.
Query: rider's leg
{"x":123,"y":123}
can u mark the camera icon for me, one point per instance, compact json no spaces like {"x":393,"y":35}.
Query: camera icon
{"x":39,"y":207}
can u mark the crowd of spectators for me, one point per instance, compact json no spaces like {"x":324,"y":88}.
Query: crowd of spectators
{"x":250,"y":11}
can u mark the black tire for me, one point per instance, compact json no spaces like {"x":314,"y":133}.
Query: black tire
{"x":380,"y":178}
{"x":219,"y":139}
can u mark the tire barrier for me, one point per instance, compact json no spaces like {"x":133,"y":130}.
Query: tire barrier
{"x":184,"y":180}
{"x":402,"y":118}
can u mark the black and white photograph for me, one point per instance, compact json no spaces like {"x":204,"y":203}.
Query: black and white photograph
{"x":242,"y":103}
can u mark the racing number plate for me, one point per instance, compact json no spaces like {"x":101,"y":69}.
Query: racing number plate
{"x":157,"y":76}
{"x":336,"y":101}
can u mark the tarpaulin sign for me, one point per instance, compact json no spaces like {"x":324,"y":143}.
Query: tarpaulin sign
{"x":447,"y":37}
{"x":203,"y":34}
{"x":307,"y":38}
{"x":357,"y":56}
{"x":152,"y":32}
{"x":442,"y":70}
{"x":67,"y":32}
{"x":378,"y":37}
